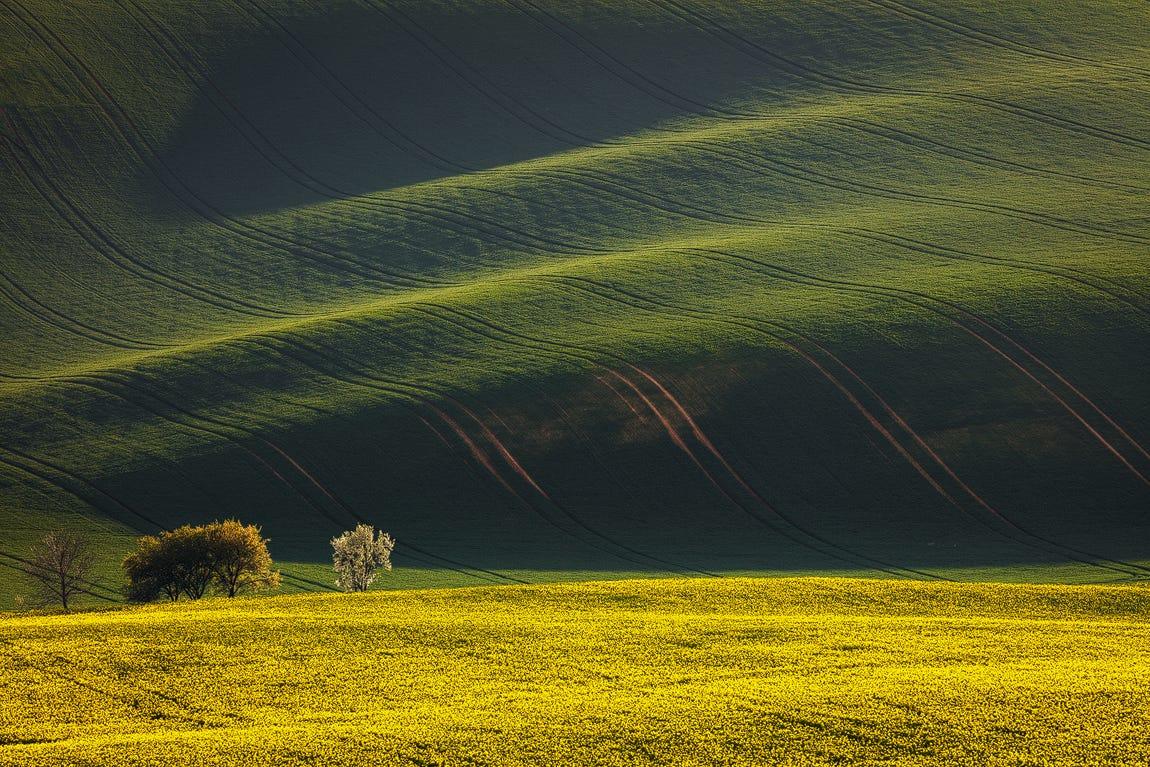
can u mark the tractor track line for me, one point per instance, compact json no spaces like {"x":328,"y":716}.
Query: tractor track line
{"x":918,"y":299}
{"x":1091,"y":558}
{"x":590,"y":358}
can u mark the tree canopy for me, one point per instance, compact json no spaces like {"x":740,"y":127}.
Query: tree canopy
{"x":228,"y":557}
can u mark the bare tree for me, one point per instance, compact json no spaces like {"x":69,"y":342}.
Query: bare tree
{"x":358,"y":554}
{"x":58,"y":567}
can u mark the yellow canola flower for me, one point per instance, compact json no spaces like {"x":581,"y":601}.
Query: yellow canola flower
{"x":675,"y":672}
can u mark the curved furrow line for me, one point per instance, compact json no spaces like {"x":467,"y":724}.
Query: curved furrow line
{"x":310,"y":582}
{"x":48,"y":471}
{"x":950,"y":472}
{"x":927,"y":303}
{"x":326,"y":76}
{"x":495,"y":333}
{"x":857,"y":123}
{"x":633,"y":300}
{"x":607,"y":471}
{"x":762,"y":326}
{"x":801,"y":539}
{"x":1042,"y":543}
{"x":426,"y":556}
{"x":620,"y":69}
{"x":453,"y":219}
{"x":28,"y":304}
{"x":644,"y":558}
{"x":425,"y":397}
{"x":677,"y":440}
{"x":599,"y":540}
{"x":628,"y":74}
{"x":304,"y":584}
{"x":608,"y":184}
{"x":561,"y":245}
{"x":125,"y":128}
{"x":405,"y":546}
{"x":40,"y":471}
{"x":591,"y":356}
{"x":764,"y":55}
{"x":109,"y":382}
{"x":409,"y":549}
{"x":471,"y":571}
{"x":105,"y":246}
{"x":220,"y":430}
{"x":915,"y":13}
{"x":319,"y":67}
{"x":477,"y":456}
{"x":706,"y":442}
{"x":184,"y":62}
{"x":15,"y":378}
{"x":894,"y":569}
{"x":25,"y":301}
{"x":1077,"y":276}
{"x":430,"y":310}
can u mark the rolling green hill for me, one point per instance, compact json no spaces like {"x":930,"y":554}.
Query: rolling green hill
{"x":560,"y":289}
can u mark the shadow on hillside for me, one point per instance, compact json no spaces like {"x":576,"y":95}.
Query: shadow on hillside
{"x":370,"y":96}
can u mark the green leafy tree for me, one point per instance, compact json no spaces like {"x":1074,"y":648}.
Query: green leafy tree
{"x":228,"y":557}
{"x":239,"y":558}
{"x":151,"y":571}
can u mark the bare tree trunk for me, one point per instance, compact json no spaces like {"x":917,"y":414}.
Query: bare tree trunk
{"x":58,"y":567}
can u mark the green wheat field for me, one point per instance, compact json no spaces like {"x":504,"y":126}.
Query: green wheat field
{"x":760,"y":382}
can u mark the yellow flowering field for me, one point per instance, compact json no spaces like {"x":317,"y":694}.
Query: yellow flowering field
{"x":678,"y":672}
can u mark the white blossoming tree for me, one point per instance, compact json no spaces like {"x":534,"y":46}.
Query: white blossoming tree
{"x":357,"y":555}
